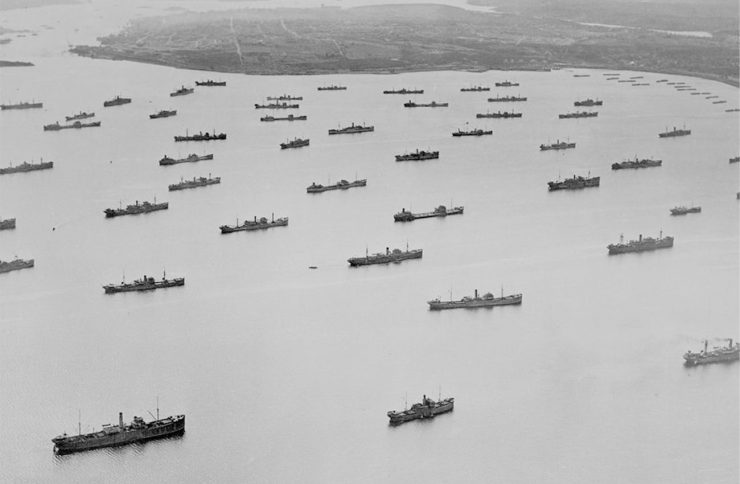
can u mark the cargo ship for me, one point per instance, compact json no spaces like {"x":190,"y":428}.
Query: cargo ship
{"x":499,"y":114}
{"x":735,"y":159}
{"x":183,"y":91}
{"x":195,"y":183}
{"x":395,"y":255}
{"x":332,"y":88}
{"x":22,"y":105}
{"x":674,"y":133}
{"x":507,"y":84}
{"x":340,"y":185}
{"x":353,"y":128}
{"x":717,"y":355}
{"x":285,"y":97}
{"x":163,"y":114}
{"x":579,"y":114}
{"x":137,"y":431}
{"x":210,"y":83}
{"x":7,"y":224}
{"x":682,"y":210}
{"x":428,"y":408}
{"x":641,"y":244}
{"x":117,"y":101}
{"x":404,"y":91}
{"x":80,"y":115}
{"x":475,"y":89}
{"x":201,"y":137}
{"x":278,"y":105}
{"x":146,"y":283}
{"x":76,"y":125}
{"x":295,"y":143}
{"x":472,"y":132}
{"x":589,"y":102}
{"x":418,"y":155}
{"x":15,"y":265}
{"x":575,"y":183}
{"x":260,"y":224}
{"x":558,"y":145}
{"x":24,"y":167}
{"x":488,"y":300}
{"x":635,"y":164}
{"x":433,"y":104}
{"x":191,"y":158}
{"x":506,"y":99}
{"x":289,"y":117}
{"x":136,"y":209}
{"x":441,"y":211}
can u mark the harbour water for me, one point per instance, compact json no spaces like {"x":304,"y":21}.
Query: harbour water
{"x":285,"y":373}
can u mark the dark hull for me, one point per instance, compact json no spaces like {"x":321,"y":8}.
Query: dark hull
{"x":634,"y":165}
{"x":247,"y":226}
{"x":561,"y":146}
{"x":194,"y":184}
{"x":210,"y":83}
{"x":189,"y":159}
{"x":684,"y":211}
{"x":405,"y":91}
{"x":130,"y":436}
{"x":294,"y":144}
{"x":7,"y":224}
{"x":353,"y":130}
{"x":644,"y":246}
{"x":506,"y":99}
{"x":163,"y":114}
{"x":286,"y":118}
{"x":419,"y":411}
{"x":577,"y":115}
{"x":26,"y":167}
{"x":202,"y":137}
{"x":116,"y":102}
{"x":5,"y":107}
{"x":699,"y":359}
{"x":675,"y":133}
{"x":136,"y":210}
{"x":499,"y":115}
{"x":418,"y":156}
{"x":472,"y":133}
{"x":16,"y":266}
{"x":430,"y":105}
{"x":408,"y":216}
{"x":79,"y":116}
{"x":475,"y":303}
{"x":146,"y":286}
{"x":572,"y":184}
{"x":182,"y":93}
{"x":337,"y":186}
{"x":385,"y":258}
{"x":587,"y":103}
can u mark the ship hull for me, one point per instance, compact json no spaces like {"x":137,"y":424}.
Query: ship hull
{"x":144,"y":287}
{"x":119,"y":212}
{"x":361,"y":183}
{"x":421,"y":412}
{"x":632,"y":165}
{"x":707,"y":360}
{"x":187,"y":186}
{"x":573,"y":185}
{"x":475,"y":303}
{"x":193,"y":159}
{"x":615,"y":249}
{"x":26,"y":168}
{"x":227,"y":229}
{"x":385,"y":259}
{"x":132,"y":436}
{"x":16,"y":266}
{"x":409,"y":217}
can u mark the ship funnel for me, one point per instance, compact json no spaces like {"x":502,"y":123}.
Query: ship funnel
{"x":476,"y":293}
{"x":120,"y":419}
{"x":730,"y":343}
{"x":640,"y":237}
{"x":705,"y":346}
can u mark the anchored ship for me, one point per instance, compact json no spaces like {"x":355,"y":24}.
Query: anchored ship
{"x":201,"y":137}
{"x":353,"y":128}
{"x":24,"y":167}
{"x":182,"y":91}
{"x":499,"y":99}
{"x":558,"y":145}
{"x":289,"y":117}
{"x":404,"y":91}
{"x":433,"y":104}
{"x":574,"y":183}
{"x":507,"y":84}
{"x":682,"y":210}
{"x":428,"y":408}
{"x":163,"y":114}
{"x":579,"y":114}
{"x":191,"y":158}
{"x":295,"y":143}
{"x":7,"y":224}
{"x":395,"y":255}
{"x":635,"y":164}
{"x":22,"y":105}
{"x":136,"y":209}
{"x":211,"y":83}
{"x":735,"y":159}
{"x":117,"y":101}
{"x":441,"y":211}
{"x":717,"y":355}
{"x":641,"y":244}
{"x":76,"y":125}
{"x":340,"y":185}
{"x":285,"y":97}
{"x":195,"y":183}
{"x":332,"y":88}
{"x":146,"y":283}
{"x":15,"y":265}
{"x":499,"y":114}
{"x":418,"y":155}
{"x":475,"y":89}
{"x":115,"y":435}
{"x":674,"y":132}
{"x":80,"y":115}
{"x":279,"y":105}
{"x":488,"y":300}
{"x":472,"y":132}
{"x":260,"y":224}
{"x":589,"y":102}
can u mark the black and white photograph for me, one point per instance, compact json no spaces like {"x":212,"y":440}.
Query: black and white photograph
{"x":370,"y":241}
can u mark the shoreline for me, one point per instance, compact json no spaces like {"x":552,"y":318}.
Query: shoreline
{"x":404,"y":70}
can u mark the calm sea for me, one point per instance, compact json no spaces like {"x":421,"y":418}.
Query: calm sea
{"x":285,"y":373}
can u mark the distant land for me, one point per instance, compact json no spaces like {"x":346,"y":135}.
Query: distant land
{"x":526,"y":35}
